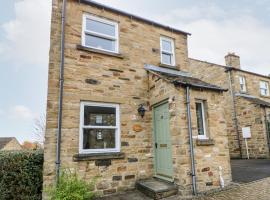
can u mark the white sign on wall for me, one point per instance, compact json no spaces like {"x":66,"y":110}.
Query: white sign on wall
{"x":246,"y":132}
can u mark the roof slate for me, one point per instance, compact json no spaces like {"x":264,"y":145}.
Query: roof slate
{"x":255,"y":100}
{"x":183,"y":80}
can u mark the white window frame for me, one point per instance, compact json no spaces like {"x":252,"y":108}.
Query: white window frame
{"x":100,"y":35}
{"x":265,"y":83}
{"x":172,"y":53}
{"x":116,"y":127}
{"x":242,"y":81}
{"x":204,"y":136}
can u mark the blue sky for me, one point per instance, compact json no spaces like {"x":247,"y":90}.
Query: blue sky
{"x":217,"y":27}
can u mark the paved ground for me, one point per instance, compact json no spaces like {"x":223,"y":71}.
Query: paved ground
{"x":244,"y":171}
{"x":259,"y":190}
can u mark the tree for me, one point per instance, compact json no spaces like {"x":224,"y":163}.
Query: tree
{"x":39,"y":129}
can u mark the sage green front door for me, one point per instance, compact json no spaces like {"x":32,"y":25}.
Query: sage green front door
{"x":163,"y":147}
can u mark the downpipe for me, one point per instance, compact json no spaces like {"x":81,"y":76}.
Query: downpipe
{"x":193,"y":170}
{"x":61,"y":88}
{"x":267,"y":128}
{"x":235,"y":115}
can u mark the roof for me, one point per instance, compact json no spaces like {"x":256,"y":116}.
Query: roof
{"x":180,"y":78}
{"x":254,"y":100}
{"x":4,"y":141}
{"x":99,"y":5}
{"x":226,"y":68}
{"x":248,"y":72}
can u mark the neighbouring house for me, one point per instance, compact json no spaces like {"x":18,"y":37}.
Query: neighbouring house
{"x":247,"y":107}
{"x":9,"y":144}
{"x":124,"y":106}
{"x":31,"y":145}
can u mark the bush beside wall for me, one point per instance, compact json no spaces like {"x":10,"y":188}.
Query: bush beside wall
{"x":21,"y":175}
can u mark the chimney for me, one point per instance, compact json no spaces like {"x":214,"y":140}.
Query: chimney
{"x":232,"y":60}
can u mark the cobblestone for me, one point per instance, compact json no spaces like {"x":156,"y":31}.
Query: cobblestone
{"x":258,"y":190}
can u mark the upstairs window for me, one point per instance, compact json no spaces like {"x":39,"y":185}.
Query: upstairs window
{"x":167,"y":51}
{"x":99,"y":128}
{"x":243,"y":87}
{"x":99,"y":33}
{"x":201,"y":119}
{"x":264,"y":88}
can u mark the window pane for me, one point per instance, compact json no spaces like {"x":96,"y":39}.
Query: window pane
{"x":166,"y":46}
{"x":100,"y":43}
{"x":264,"y":87}
{"x":166,"y":58}
{"x":99,"y":139}
{"x":99,"y":27}
{"x":99,"y":116}
{"x":263,"y":92}
{"x":241,"y":80}
{"x":200,"y":119}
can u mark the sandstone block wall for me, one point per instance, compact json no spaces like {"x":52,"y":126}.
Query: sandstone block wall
{"x":118,"y":80}
{"x":208,"y":157}
{"x":216,"y":74}
{"x":12,"y":145}
{"x":253,"y":116}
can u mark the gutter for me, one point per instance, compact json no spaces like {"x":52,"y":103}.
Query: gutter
{"x":199,"y":86}
{"x":191,"y":148}
{"x":61,"y":88}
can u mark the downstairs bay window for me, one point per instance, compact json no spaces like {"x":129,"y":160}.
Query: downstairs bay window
{"x":99,"y":128}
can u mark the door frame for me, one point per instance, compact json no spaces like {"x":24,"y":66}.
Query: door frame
{"x":170,"y":179}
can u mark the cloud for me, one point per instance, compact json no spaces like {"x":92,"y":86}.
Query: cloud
{"x":216,"y":32}
{"x":21,"y":112}
{"x":26,"y":37}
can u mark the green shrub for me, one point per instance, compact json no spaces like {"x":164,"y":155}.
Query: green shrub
{"x":21,"y":175}
{"x":71,"y":187}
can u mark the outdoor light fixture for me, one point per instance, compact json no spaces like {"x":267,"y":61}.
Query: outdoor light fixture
{"x":141,"y":110}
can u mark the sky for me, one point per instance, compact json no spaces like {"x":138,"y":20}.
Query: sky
{"x":217,"y":27}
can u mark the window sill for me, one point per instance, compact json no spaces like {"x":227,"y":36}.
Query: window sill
{"x":205,"y":142}
{"x":265,"y":96}
{"x":242,"y":92}
{"x":98,"y":156}
{"x":83,"y":48}
{"x":168,"y":66}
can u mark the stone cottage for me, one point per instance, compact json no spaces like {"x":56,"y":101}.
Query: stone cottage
{"x":247,"y":107}
{"x":9,"y":144}
{"x":124,"y":106}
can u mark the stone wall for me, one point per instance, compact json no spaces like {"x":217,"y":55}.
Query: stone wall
{"x":209,"y":155}
{"x":12,"y":145}
{"x":253,"y":116}
{"x":98,"y":77}
{"x":216,"y":74}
